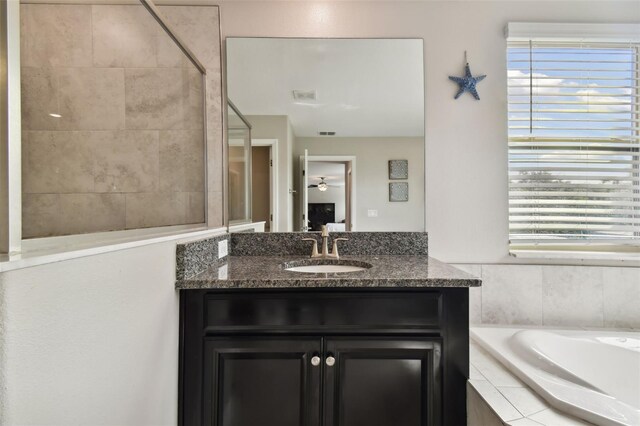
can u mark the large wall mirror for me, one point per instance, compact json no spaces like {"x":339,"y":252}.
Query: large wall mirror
{"x":336,"y":133}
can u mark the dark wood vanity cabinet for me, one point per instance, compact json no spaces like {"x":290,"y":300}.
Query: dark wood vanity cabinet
{"x":324,"y":358}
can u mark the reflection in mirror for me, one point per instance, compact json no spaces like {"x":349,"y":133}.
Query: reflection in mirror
{"x":239,"y":137}
{"x":329,"y":115}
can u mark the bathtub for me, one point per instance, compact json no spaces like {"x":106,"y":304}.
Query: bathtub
{"x":593,"y":375}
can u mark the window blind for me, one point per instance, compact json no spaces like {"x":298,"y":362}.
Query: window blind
{"x":574,"y":139}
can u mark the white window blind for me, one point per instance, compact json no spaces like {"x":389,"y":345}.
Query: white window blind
{"x":574,"y":139}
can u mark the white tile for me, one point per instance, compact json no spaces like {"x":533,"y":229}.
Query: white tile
{"x":621,"y":297}
{"x":523,"y":422}
{"x":479,"y":413}
{"x":512,"y":294}
{"x":551,"y":417}
{"x":496,"y":400}
{"x":475,"y":374}
{"x":525,"y":400}
{"x":566,"y":287}
{"x":491,"y":368}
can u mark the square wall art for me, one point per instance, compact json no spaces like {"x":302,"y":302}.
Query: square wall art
{"x":398,"y":169}
{"x":399,"y":191}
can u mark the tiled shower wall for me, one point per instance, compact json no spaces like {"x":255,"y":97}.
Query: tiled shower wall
{"x":128,"y":150}
{"x":551,"y":295}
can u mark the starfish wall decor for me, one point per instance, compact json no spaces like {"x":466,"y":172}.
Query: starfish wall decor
{"x":468,"y":82}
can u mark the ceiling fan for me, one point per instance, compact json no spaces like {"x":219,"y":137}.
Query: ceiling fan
{"x":322,"y":185}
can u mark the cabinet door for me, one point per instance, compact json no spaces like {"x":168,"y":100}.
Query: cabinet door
{"x":382,"y":382}
{"x":262,"y":382}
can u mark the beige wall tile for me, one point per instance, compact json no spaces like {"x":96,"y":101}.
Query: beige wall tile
{"x":40,"y":216}
{"x":169,"y":55}
{"x":91,"y":166}
{"x":181,"y":160}
{"x":84,"y":213}
{"x":572,"y":295}
{"x":126,"y":161}
{"x":198,"y":27}
{"x":57,"y":162}
{"x":55,"y":35}
{"x":39,"y":99}
{"x":154,"y":98}
{"x":193,"y":99}
{"x":150,"y":209}
{"x":215,"y":138}
{"x":195,"y":209}
{"x":512,"y":294}
{"x":215,"y":210}
{"x":91,"y":98}
{"x":621,"y":297}
{"x":123,"y":36}
{"x":46,"y":215}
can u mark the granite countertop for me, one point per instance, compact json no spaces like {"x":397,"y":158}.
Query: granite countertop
{"x":391,"y":271}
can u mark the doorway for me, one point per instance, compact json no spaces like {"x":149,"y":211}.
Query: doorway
{"x":264,"y":195}
{"x":327,"y":185}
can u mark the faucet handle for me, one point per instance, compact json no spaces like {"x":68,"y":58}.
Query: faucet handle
{"x":314,"y":250}
{"x":334,"y":250}
{"x":325,"y":233}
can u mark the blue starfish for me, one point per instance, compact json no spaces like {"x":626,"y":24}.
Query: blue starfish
{"x":467,"y":83}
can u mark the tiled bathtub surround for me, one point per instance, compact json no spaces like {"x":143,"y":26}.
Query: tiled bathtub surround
{"x":553,"y":295}
{"x":128,"y":150}
{"x":497,"y":398}
{"x":357,"y":244}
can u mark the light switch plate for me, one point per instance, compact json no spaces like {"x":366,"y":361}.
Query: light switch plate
{"x":223,"y":272}
{"x":223,"y":248}
{"x":372,"y":213}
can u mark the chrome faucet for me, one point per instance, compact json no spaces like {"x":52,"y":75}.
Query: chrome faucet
{"x":325,"y":246}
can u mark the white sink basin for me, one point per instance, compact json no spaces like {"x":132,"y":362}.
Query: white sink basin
{"x":326,"y":269}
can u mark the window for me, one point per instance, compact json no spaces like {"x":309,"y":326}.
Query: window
{"x":574,"y":127}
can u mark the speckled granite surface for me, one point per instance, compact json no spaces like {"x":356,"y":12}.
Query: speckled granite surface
{"x":358,"y":243}
{"x":196,"y":256}
{"x":253,"y":272}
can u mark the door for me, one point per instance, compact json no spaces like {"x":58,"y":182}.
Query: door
{"x":381,"y":382}
{"x":304,"y":192}
{"x":262,"y":382}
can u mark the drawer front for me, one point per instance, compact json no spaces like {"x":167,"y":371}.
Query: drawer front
{"x":309,"y":311}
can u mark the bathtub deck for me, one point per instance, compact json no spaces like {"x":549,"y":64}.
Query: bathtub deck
{"x":508,"y":400}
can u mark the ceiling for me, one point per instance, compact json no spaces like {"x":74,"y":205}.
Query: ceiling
{"x":364,"y":87}
{"x":332,"y":172}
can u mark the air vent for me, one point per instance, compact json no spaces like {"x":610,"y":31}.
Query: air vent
{"x":327,"y":133}
{"x":304,"y":95}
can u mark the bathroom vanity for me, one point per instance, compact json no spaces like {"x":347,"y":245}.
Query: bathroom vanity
{"x":384,"y":346}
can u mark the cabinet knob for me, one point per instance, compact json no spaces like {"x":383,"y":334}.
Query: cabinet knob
{"x":315,"y":361}
{"x":330,"y":361}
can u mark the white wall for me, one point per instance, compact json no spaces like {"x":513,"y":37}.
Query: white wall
{"x":372,"y":178}
{"x":466,"y":140}
{"x":92,"y":340}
